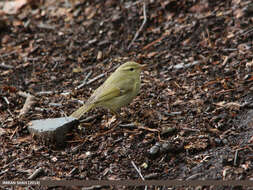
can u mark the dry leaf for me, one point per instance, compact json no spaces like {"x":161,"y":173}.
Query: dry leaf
{"x":110,"y":121}
{"x":12,"y":7}
{"x":152,"y":54}
{"x":221,"y":104}
{"x":233,"y":105}
{"x":2,"y":131}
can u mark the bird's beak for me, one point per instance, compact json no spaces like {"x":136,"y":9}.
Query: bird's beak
{"x":143,"y":67}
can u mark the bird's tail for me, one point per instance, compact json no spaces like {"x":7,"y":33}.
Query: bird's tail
{"x":82,"y":110}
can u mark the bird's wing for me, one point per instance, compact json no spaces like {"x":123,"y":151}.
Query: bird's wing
{"x":109,"y":92}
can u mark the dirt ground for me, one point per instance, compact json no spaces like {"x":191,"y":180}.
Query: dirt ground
{"x":191,"y":120}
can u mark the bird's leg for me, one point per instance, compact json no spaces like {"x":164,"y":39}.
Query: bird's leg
{"x":118,"y":116}
{"x":122,"y":119}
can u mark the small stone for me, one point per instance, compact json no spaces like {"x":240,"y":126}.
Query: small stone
{"x":217,"y":141}
{"x":168,"y":130}
{"x":246,"y":77}
{"x":88,"y":154}
{"x":166,"y":147}
{"x":225,"y":141}
{"x":73,"y":172}
{"x":144,"y":165}
{"x":54,"y":159}
{"x":52,"y":130}
{"x":155,"y":149}
{"x":99,"y":55}
{"x":2,"y":131}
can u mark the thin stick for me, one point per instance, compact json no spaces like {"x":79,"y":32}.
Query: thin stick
{"x":14,"y":132}
{"x":129,"y":125}
{"x":88,"y":118}
{"x":139,"y":172}
{"x":30,"y":100}
{"x":96,"y":78}
{"x":84,"y":81}
{"x":42,"y":93}
{"x":225,"y":61}
{"x":244,"y":33}
{"x":23,"y":94}
{"x":142,"y":25}
{"x":4,"y":66}
{"x":35,"y":173}
{"x":6,"y":100}
{"x":190,"y":129}
{"x":236,"y":157}
{"x":7,"y":54}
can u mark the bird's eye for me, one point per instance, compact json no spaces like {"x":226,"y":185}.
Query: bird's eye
{"x":131,"y":69}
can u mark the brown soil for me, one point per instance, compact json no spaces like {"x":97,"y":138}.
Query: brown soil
{"x":191,"y":120}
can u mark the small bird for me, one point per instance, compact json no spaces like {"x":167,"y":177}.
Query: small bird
{"x":117,"y":91}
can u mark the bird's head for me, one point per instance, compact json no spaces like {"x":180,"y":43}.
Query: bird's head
{"x":130,"y":68}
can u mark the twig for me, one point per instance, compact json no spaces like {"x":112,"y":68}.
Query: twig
{"x":14,"y":161}
{"x":14,"y":132}
{"x":44,"y":93}
{"x":72,"y":172}
{"x":142,"y":25}
{"x":84,"y":81}
{"x":64,"y":114}
{"x":236,"y":157}
{"x":167,"y":33}
{"x":4,"y":66}
{"x":46,"y":26}
{"x":130,"y":4}
{"x":35,"y":173}
{"x":151,"y":176}
{"x":41,"y":109}
{"x":9,"y":111}
{"x":28,"y":102}
{"x":3,"y":172}
{"x":6,"y":100}
{"x":93,"y":187}
{"x":129,"y":125}
{"x":88,"y":118}
{"x":96,"y":78}
{"x":173,"y":113}
{"x":185,"y":66}
{"x":7,"y":54}
{"x":65,"y":93}
{"x":229,"y":49}
{"x":225,"y":61}
{"x":139,"y":172}
{"x":190,"y":129}
{"x":77,"y":148}
{"x":23,"y":94}
{"x":148,"y":129}
{"x":248,"y":31}
{"x":55,"y":104}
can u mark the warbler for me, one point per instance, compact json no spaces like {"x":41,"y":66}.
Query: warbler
{"x":119,"y":89}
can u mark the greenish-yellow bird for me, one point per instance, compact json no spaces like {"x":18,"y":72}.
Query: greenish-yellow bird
{"x":117,"y":91}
